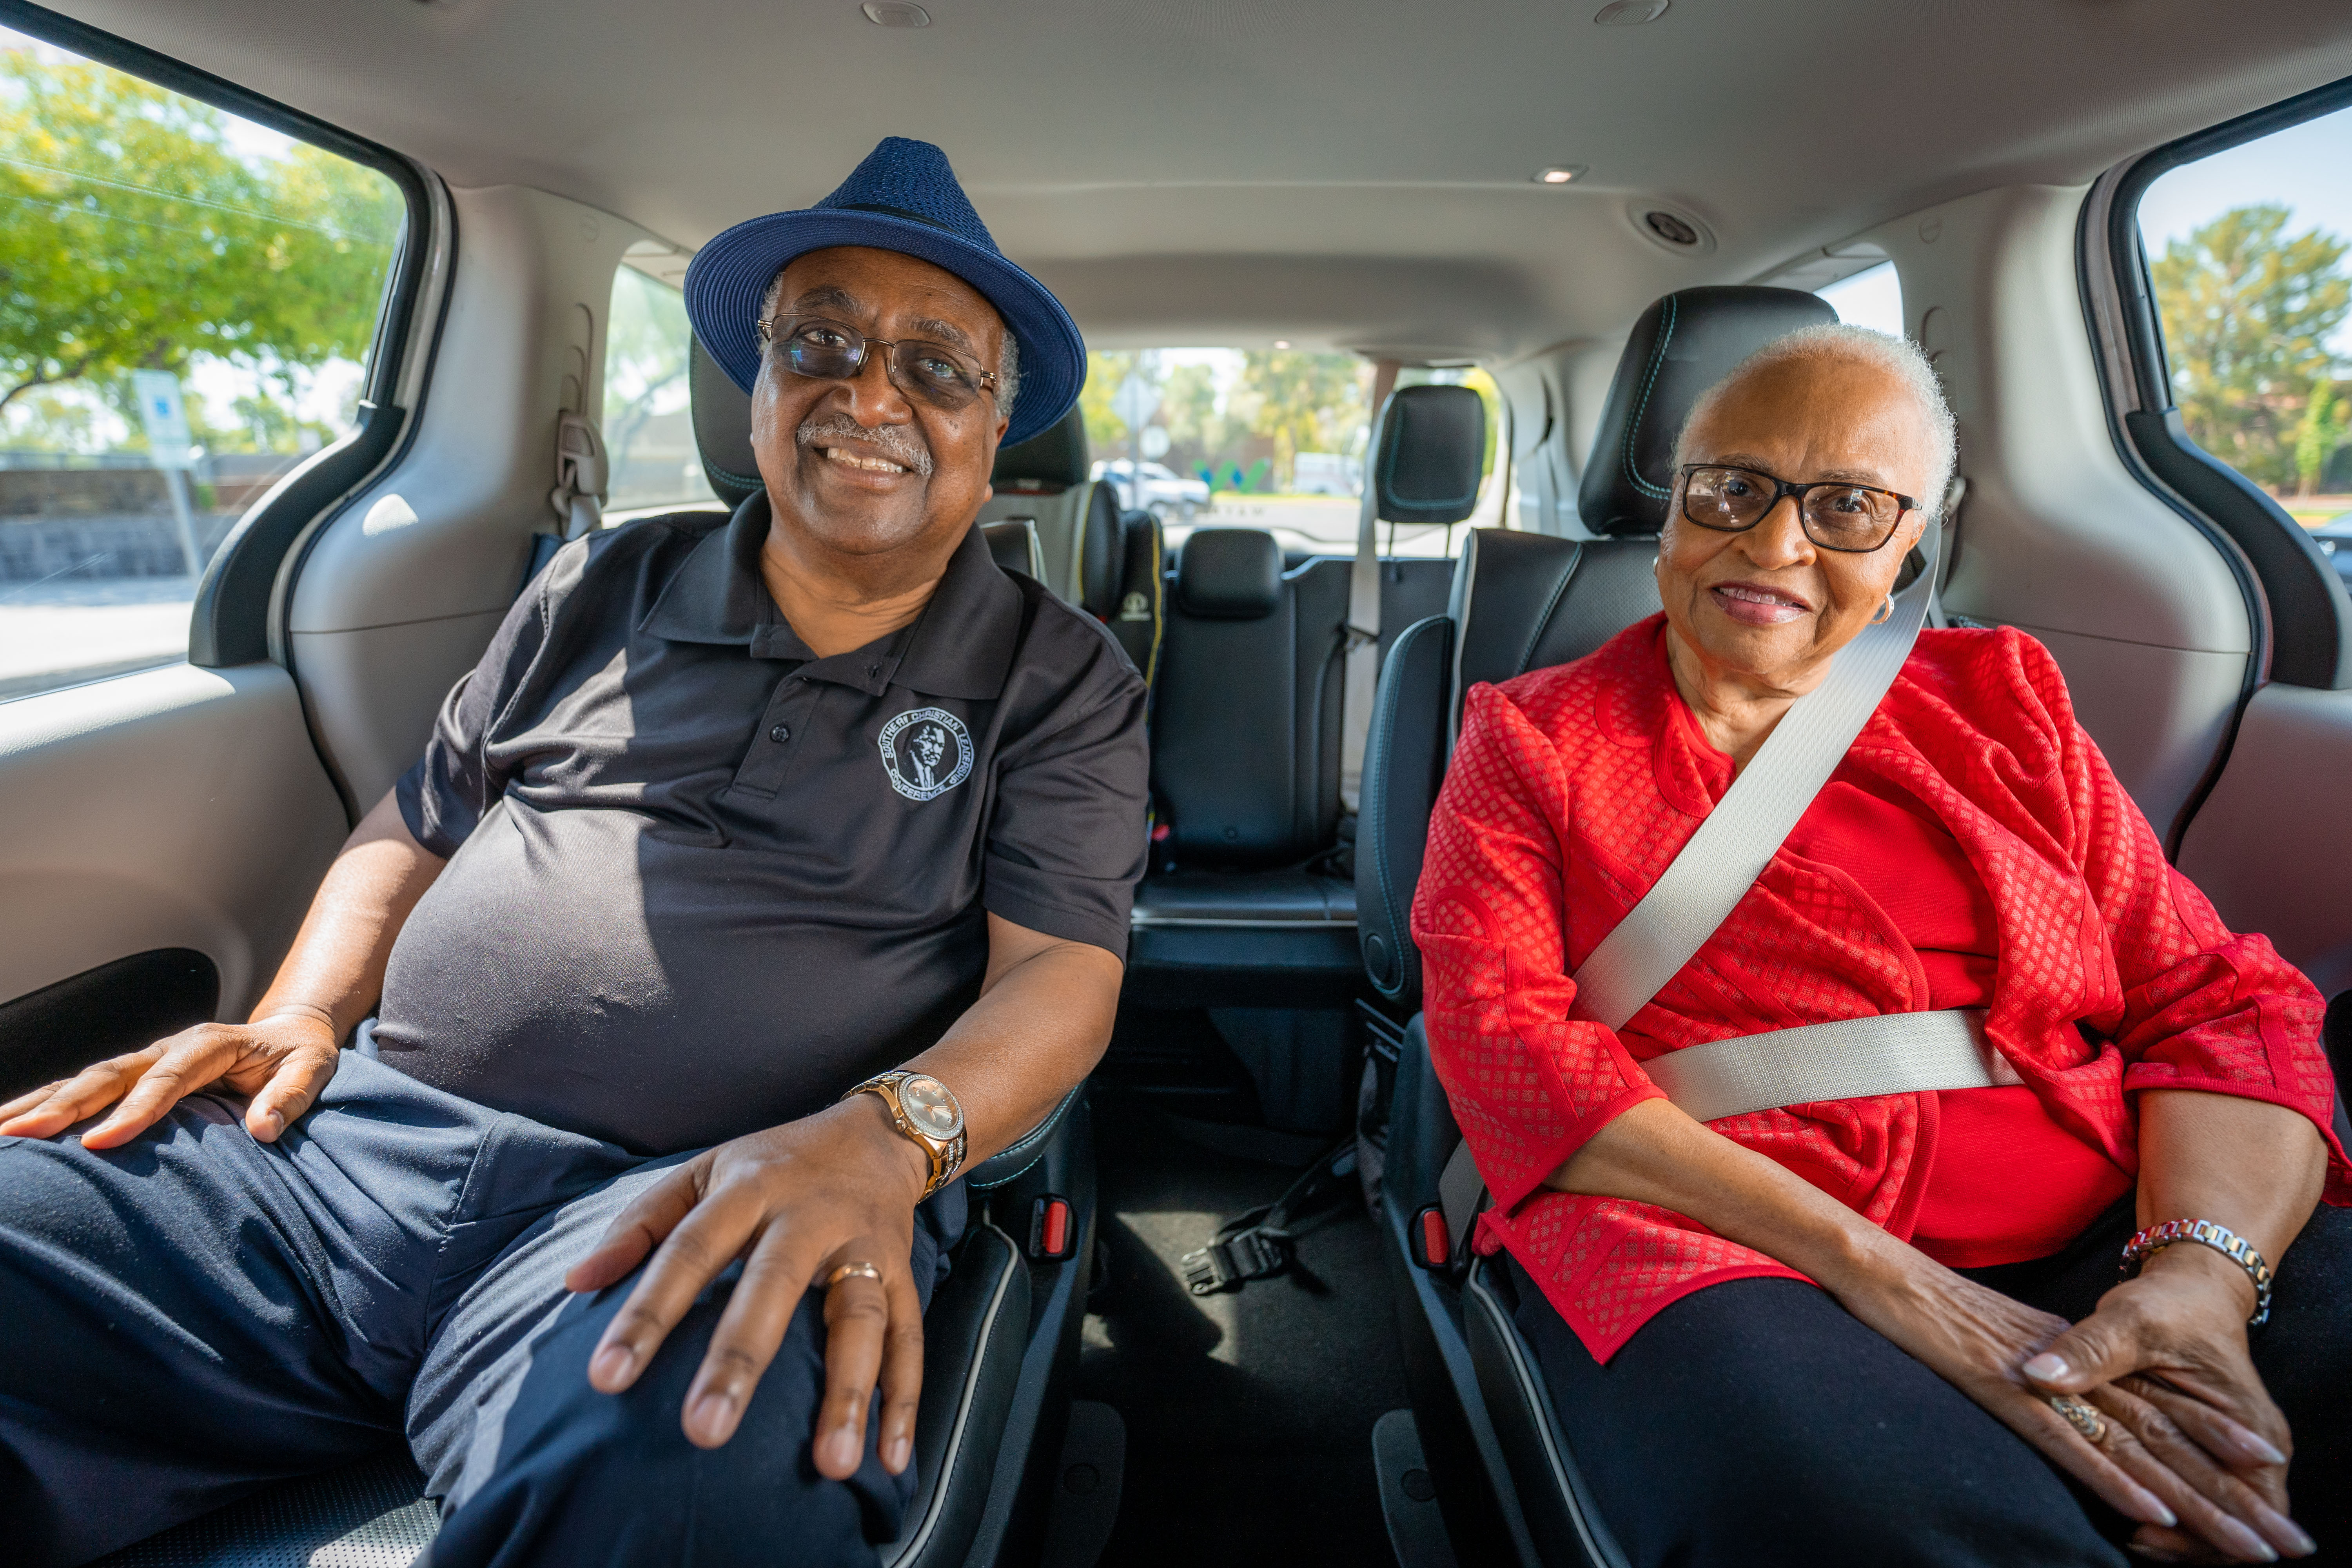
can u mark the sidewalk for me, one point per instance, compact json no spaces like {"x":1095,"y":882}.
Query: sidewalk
{"x":61,"y":632}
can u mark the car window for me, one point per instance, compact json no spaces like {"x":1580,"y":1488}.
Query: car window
{"x":189,"y":303}
{"x":1270,"y":438}
{"x":1871,"y":297}
{"x":2247,"y":255}
{"x":648,"y":417}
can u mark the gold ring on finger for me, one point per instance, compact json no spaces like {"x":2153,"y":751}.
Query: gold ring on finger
{"x":853,"y":1271}
{"x":2083,"y":1417}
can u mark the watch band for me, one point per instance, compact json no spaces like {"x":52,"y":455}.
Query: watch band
{"x":2205,"y":1233}
{"x":946,"y":1154}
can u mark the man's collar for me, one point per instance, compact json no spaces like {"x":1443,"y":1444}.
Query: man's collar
{"x":960,"y":646}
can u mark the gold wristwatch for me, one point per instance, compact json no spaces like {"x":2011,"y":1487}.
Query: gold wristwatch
{"x":926,"y":1112}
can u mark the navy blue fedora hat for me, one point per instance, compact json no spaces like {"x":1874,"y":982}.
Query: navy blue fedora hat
{"x":904,"y":197}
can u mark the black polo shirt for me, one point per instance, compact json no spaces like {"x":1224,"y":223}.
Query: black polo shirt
{"x":701,"y":882}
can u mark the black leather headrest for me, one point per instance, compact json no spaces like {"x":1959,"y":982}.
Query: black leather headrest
{"x":1229,"y":574}
{"x":722,"y":428}
{"x":1432,"y":445}
{"x":1055,"y":456}
{"x":1681,"y":345}
{"x":1102,"y":555}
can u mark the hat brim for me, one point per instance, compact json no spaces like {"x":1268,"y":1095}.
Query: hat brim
{"x":729,"y":278}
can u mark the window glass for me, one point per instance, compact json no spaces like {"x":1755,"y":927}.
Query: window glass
{"x":2247,"y":255}
{"x":648,"y":415}
{"x":1872,"y":298}
{"x":1270,"y":438}
{"x":187,"y":302}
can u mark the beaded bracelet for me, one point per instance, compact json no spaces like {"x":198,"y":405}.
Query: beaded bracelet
{"x":2205,"y":1233}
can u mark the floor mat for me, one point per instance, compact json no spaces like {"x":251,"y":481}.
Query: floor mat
{"x":1249,"y":1415}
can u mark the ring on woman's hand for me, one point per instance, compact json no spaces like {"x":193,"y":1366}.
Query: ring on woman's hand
{"x":853,"y":1271}
{"x":2083,"y":1417}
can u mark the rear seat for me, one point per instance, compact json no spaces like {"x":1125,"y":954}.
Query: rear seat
{"x":1252,"y":897}
{"x":1043,"y":479}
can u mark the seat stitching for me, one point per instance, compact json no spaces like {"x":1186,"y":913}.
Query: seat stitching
{"x":1559,"y":591}
{"x":1657,"y":361}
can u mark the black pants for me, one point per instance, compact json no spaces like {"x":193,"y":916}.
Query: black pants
{"x":1756,"y":1422}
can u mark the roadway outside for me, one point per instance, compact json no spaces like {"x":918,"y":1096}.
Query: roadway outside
{"x":63,"y":632}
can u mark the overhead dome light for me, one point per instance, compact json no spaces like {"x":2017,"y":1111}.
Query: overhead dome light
{"x":1558,"y":174}
{"x":1281,"y":342}
{"x":896,"y":13}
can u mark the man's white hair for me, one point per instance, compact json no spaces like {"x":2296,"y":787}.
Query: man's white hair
{"x":1898,"y":357}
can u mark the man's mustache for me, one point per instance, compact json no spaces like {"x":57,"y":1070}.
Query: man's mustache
{"x":894,"y":442}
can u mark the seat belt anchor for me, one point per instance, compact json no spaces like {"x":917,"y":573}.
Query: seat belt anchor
{"x":1250,"y":1254}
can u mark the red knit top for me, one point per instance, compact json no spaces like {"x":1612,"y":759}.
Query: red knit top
{"x":1972,"y":849}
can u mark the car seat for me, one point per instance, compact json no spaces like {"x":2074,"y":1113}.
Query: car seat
{"x":1508,"y":1481}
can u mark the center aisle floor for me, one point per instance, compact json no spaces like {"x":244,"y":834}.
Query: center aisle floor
{"x":1249,"y":1415}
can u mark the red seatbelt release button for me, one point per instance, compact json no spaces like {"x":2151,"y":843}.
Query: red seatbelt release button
{"x":1052,"y":1236}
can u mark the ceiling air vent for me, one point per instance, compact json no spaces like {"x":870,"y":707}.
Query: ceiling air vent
{"x":1671,"y":228}
{"x":896,"y":13}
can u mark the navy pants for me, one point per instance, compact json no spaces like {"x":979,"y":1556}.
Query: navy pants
{"x":1755,"y":1423}
{"x":198,"y":1314}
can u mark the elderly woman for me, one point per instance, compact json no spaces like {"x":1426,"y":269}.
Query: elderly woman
{"x":1839,"y":1331}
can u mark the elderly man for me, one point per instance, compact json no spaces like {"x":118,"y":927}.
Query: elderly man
{"x":734,"y":820}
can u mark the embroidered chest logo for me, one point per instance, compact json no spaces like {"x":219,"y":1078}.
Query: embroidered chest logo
{"x":927,"y":751}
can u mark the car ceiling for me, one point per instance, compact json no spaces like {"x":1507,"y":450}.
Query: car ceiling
{"x":1226,"y":171}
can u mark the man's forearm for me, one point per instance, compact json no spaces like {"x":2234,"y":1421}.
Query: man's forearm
{"x":335,"y":968}
{"x":1040,"y":1026}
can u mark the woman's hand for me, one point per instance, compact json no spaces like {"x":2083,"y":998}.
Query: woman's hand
{"x":282,"y":1061}
{"x":794,"y":1203}
{"x":2197,"y":1500}
{"x":2165,"y":1359}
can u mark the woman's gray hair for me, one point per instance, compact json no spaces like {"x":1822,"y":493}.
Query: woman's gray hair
{"x":1008,"y":360}
{"x":1898,"y":357}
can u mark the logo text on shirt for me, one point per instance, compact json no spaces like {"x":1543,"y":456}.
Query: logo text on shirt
{"x":916,"y":748}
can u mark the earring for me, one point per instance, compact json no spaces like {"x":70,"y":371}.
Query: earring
{"x":1885,"y":611}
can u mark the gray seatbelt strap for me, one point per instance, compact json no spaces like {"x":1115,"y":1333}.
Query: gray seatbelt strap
{"x":1739,"y":837}
{"x":1891,"y":1053}
{"x":1361,"y":673}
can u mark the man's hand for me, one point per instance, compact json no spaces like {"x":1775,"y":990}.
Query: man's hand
{"x":794,"y":1203}
{"x":2164,"y":1359}
{"x":282,"y":1061}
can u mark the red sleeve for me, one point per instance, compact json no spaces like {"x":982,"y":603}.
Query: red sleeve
{"x":2204,"y":1007}
{"x":1528,"y":1085}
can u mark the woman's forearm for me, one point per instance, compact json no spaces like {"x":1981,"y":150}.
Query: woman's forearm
{"x":336,"y":965}
{"x":1655,"y":1154}
{"x":2252,"y":1166}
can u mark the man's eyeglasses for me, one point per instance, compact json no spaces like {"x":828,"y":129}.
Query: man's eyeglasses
{"x":828,"y":351}
{"x":1834,"y":514}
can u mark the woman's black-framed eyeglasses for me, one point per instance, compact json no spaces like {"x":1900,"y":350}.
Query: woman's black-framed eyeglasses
{"x":1835,"y":514}
{"x":829,"y":351}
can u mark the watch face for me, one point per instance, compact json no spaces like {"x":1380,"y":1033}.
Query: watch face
{"x":929,"y":1106}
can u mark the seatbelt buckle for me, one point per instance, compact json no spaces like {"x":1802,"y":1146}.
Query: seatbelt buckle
{"x":1252,"y":1254}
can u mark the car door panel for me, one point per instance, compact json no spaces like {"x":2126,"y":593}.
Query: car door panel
{"x":176,"y":808}
{"x":2272,"y":843}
